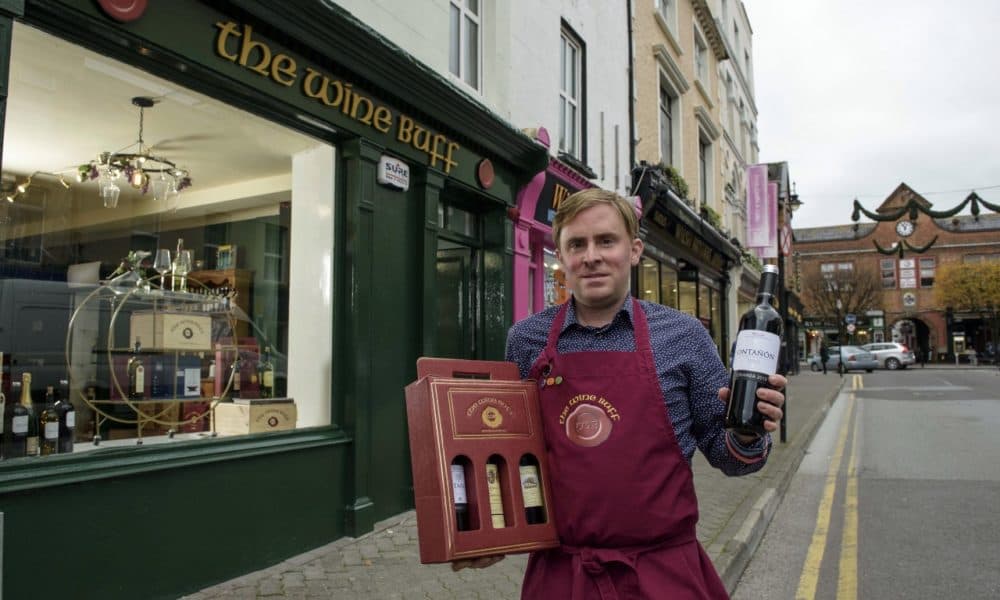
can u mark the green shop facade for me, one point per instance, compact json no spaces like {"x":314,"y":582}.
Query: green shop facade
{"x":351,"y":204}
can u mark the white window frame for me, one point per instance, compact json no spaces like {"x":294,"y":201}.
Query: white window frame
{"x":570,"y":97}
{"x":465,"y":16}
{"x":927,"y":267}
{"x":700,"y":57}
{"x":667,"y":9}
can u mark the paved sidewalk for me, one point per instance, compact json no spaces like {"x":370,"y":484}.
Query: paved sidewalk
{"x":385,"y":564}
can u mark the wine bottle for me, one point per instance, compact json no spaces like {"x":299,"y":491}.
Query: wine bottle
{"x":19,"y":417}
{"x":531,"y":490}
{"x":755,"y":358}
{"x":48,"y":425}
{"x":136,"y":374}
{"x":265,"y":374}
{"x":496,"y":499}
{"x":178,"y":273}
{"x":461,"y":501}
{"x":67,"y":419}
{"x":31,"y":440}
{"x":3,"y":415}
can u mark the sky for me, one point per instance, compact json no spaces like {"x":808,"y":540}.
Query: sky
{"x":859,"y":96}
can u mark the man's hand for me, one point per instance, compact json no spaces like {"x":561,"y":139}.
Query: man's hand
{"x":476,"y":563}
{"x":771,"y":401}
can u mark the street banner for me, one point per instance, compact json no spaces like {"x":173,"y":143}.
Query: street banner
{"x":757,"y":225}
{"x":770,"y":248}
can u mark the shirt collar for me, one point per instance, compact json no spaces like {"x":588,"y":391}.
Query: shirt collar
{"x":625,"y":310}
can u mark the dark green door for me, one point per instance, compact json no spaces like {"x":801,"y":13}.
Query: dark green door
{"x":456,"y":300}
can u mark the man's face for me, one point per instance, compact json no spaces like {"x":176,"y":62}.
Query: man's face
{"x":597,"y":255}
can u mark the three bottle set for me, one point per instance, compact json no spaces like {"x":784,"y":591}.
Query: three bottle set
{"x":36,"y":432}
{"x":500,"y":496}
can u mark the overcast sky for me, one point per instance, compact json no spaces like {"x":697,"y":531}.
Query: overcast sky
{"x":860,"y":95}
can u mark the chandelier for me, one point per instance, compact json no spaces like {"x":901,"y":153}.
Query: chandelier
{"x":139,"y":168}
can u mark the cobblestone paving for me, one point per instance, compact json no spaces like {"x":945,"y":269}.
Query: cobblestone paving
{"x":385,"y":564}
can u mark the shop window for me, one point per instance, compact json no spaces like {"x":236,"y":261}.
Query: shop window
{"x":84,"y":265}
{"x":668,"y":286}
{"x":649,"y":280}
{"x":465,"y":42}
{"x":687,"y":297}
{"x":570,"y":93}
{"x":555,"y":288}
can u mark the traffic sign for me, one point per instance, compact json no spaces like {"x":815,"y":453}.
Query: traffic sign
{"x":850,"y":328}
{"x":850,"y":318}
{"x":786,"y":239}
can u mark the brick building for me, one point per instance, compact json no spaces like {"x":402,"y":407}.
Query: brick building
{"x":908,"y":311}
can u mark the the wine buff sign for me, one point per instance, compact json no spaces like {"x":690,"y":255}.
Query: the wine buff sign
{"x":587,"y":419}
{"x":236,"y":44}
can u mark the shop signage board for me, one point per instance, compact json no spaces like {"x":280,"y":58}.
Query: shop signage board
{"x":393,"y":173}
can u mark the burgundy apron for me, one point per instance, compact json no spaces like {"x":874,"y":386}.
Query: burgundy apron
{"x":623,"y":495}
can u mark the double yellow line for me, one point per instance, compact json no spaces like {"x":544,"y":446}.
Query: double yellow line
{"x":847,"y":580}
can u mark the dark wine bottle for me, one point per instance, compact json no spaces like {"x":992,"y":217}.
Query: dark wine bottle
{"x":48,"y":425}
{"x":19,"y":418}
{"x":136,"y":374}
{"x":461,"y":501}
{"x":67,"y":419}
{"x":531,"y":490}
{"x":755,"y":358}
{"x":265,"y":374}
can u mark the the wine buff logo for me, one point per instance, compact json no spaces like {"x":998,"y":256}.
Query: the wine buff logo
{"x":491,"y":411}
{"x":236,"y":44}
{"x":588,"y":419}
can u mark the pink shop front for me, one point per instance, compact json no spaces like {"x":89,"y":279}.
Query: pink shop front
{"x":538,"y":280}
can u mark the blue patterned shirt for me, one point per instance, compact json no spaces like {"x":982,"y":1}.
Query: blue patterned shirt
{"x":687,"y":364}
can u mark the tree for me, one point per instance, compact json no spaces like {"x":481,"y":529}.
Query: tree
{"x":971,"y":287}
{"x":857,"y":290}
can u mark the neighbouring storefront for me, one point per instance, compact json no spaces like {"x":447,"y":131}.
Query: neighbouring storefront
{"x":538,"y":279}
{"x":686,"y":262}
{"x":227,"y":232}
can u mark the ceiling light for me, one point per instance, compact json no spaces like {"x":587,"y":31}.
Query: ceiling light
{"x":140,"y":169}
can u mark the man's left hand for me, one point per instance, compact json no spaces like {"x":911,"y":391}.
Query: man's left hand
{"x":770,"y":400}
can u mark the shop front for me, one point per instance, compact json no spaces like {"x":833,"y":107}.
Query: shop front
{"x":686,"y":262}
{"x":227,"y":231}
{"x":538,"y":281}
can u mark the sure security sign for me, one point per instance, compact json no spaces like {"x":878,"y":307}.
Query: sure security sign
{"x":394,"y":173}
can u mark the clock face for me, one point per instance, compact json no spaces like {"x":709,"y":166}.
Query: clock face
{"x":904,"y":228}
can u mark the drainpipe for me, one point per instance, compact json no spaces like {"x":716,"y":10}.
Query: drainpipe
{"x":631,"y":89}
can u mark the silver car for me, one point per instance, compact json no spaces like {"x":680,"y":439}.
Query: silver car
{"x":891,"y":355}
{"x":855,"y":359}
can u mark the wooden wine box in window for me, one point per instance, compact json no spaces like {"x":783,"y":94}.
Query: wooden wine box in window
{"x":469,"y":414}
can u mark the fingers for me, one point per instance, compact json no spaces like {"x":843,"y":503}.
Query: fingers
{"x":476,"y":563}
{"x":777,"y":382}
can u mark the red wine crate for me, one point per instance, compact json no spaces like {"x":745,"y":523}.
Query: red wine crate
{"x":474,"y":412}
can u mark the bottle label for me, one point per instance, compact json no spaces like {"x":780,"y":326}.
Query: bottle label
{"x":756,"y":351}
{"x":71,"y":419}
{"x":19,"y":424}
{"x":496,"y":500}
{"x":140,"y":380}
{"x":530,"y":487}
{"x":52,"y":430}
{"x":458,"y":483}
{"x":268,"y":379}
{"x":32,"y":446}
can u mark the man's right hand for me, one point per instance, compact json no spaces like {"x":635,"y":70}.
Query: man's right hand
{"x":476,"y":563}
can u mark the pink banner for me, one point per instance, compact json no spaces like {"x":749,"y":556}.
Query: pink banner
{"x":757,"y":224}
{"x":770,"y":249}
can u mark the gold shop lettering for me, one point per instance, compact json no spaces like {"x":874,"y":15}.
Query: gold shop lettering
{"x":236,"y":44}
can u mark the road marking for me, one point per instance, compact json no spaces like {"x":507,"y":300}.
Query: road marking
{"x":847,"y":580}
{"x":858,"y":382}
{"x":814,"y":557}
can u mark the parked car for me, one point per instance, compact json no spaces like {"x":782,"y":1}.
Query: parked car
{"x":891,"y":355}
{"x":855,"y":359}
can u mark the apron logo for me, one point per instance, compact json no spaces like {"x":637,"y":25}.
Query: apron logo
{"x":589,"y":424}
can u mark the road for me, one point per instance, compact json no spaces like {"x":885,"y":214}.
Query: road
{"x":896,"y":498}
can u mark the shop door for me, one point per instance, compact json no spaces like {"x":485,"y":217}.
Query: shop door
{"x":456,"y":300}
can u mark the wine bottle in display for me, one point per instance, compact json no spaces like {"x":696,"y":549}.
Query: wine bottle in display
{"x":3,"y":415}
{"x":265,"y":374}
{"x":496,"y":499}
{"x":136,"y":374}
{"x":461,"y":501}
{"x":755,"y":358}
{"x":18,"y":445}
{"x":48,"y":425}
{"x":31,"y":440}
{"x":67,"y":419}
{"x":531,"y":490}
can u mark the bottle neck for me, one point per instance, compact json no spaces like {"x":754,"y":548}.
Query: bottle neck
{"x":767,"y":287}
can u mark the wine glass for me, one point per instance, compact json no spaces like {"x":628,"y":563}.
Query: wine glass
{"x":182,"y":266}
{"x":161,"y":264}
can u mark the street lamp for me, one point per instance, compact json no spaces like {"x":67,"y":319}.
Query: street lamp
{"x":840,"y":338}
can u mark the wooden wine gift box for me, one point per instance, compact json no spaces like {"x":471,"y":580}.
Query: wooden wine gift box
{"x":474,"y":412}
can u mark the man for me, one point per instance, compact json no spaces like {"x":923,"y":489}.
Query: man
{"x":824,"y":356}
{"x":627,"y":390}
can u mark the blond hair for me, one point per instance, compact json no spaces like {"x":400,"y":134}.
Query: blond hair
{"x":576,"y":203}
